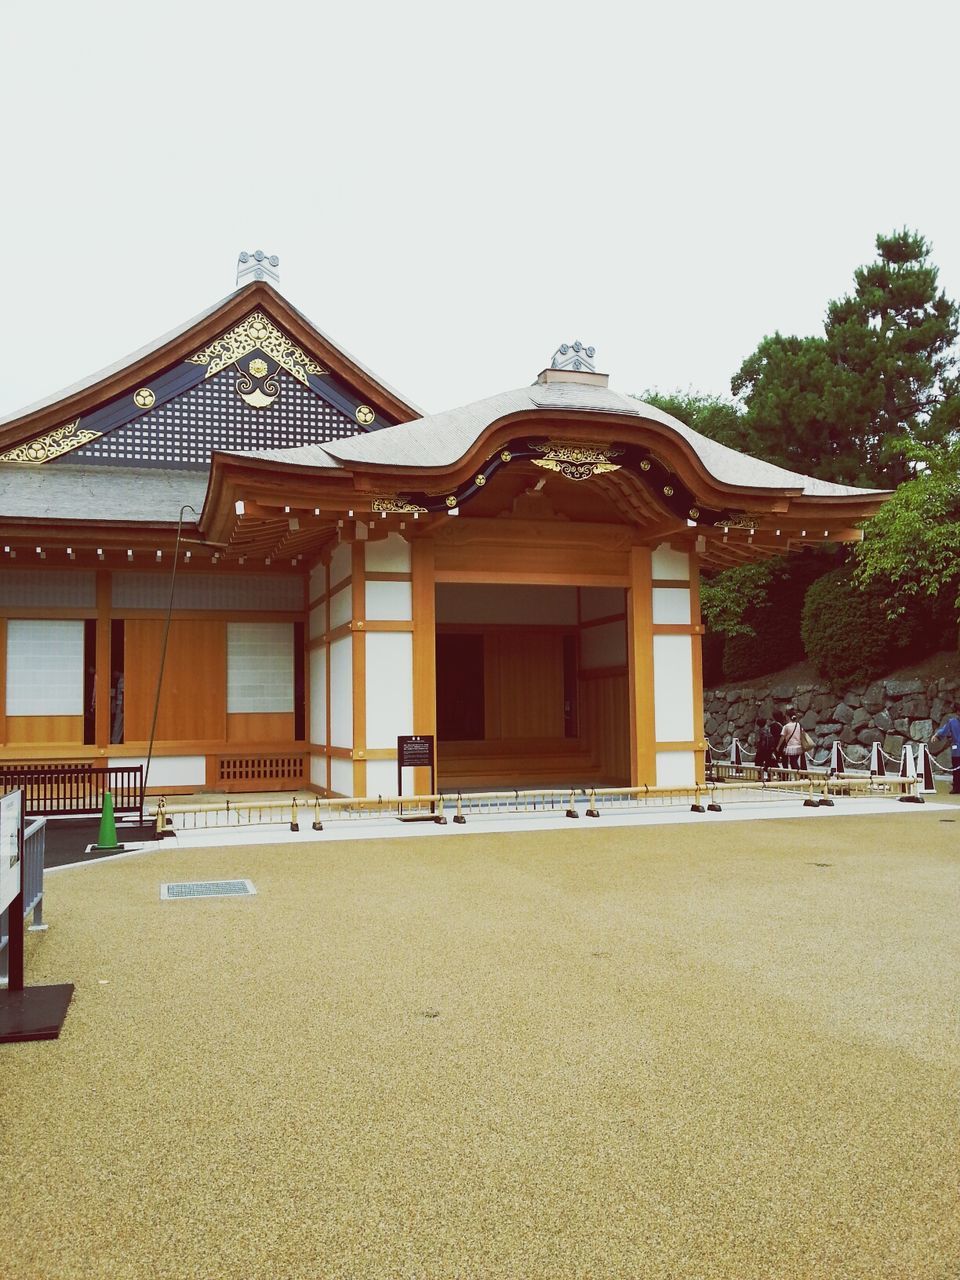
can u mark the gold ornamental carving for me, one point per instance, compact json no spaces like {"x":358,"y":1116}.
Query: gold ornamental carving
{"x":256,"y":333}
{"x":576,"y":461}
{"x":738,"y":522}
{"x":52,"y":445}
{"x":144,"y":398}
{"x":364,"y":415}
{"x":397,"y":506}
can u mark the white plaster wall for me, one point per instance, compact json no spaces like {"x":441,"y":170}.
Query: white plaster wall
{"x":389,"y":600}
{"x":667,"y":563}
{"x":382,"y":778}
{"x":22,"y":588}
{"x":318,"y":581}
{"x":318,"y":621}
{"x":603,"y":646}
{"x":676,"y":768}
{"x":482,"y":602}
{"x":388,"y":555}
{"x":341,"y":562}
{"x":602,"y":602}
{"x":341,"y":777}
{"x":341,"y":607}
{"x":44,"y":668}
{"x":318,"y":696}
{"x":341,"y":692}
{"x":671,"y":604}
{"x":209,"y":590}
{"x":389,"y":686}
{"x":169,"y":771}
{"x":259,"y":666}
{"x":673,"y":688}
{"x":318,"y":771}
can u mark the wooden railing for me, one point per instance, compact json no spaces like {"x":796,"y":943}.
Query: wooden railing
{"x":76,"y":790}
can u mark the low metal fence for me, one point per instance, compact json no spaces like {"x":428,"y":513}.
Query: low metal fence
{"x":34,"y":842}
{"x":313,"y":813}
{"x":75,"y":790}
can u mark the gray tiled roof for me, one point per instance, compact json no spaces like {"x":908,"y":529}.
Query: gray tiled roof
{"x":122,"y":494}
{"x":442,"y":439}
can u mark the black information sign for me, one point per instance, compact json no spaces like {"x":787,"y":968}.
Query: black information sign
{"x":416,"y":751}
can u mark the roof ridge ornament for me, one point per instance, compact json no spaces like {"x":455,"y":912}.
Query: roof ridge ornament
{"x":257,"y":266}
{"x":574,"y":355}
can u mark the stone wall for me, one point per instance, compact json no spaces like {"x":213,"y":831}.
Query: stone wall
{"x":891,"y":712}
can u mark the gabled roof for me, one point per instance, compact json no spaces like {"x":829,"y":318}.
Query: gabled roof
{"x":444,"y":439}
{"x":180,"y":344}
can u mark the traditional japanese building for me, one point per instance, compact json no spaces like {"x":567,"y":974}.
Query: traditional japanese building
{"x":517,"y":577}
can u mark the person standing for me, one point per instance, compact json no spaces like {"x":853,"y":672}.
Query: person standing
{"x":765,"y":747}
{"x":791,"y":741}
{"x":776,"y":729}
{"x":949,"y":731}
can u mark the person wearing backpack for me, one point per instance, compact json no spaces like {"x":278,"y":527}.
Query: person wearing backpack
{"x":766,"y":744}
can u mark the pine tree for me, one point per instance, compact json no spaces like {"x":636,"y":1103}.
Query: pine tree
{"x":841,"y":406}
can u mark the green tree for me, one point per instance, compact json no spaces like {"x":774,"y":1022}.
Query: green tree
{"x":712,"y":416}
{"x":729,"y":596}
{"x":911,"y":548}
{"x":840,"y":406}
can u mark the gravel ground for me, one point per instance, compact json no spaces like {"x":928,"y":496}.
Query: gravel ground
{"x":631,"y":1053}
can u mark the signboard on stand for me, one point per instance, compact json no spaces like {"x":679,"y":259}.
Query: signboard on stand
{"x":417,"y":751}
{"x":11,"y":853}
{"x":26,"y":1013}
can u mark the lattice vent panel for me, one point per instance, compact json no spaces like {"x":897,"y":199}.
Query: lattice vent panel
{"x":186,"y":430}
{"x":259,"y":773}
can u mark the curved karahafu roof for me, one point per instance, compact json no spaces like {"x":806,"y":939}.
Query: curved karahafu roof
{"x":442,"y":440}
{"x":646,"y":469}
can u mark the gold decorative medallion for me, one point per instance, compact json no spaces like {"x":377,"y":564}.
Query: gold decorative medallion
{"x":451,"y":501}
{"x":144,"y":398}
{"x":576,"y":461}
{"x":52,"y":445}
{"x":397,"y":506}
{"x":694,"y":513}
{"x":257,"y":333}
{"x":258,"y":368}
{"x":506,"y":455}
{"x":256,"y":396}
{"x":480,"y":480}
{"x":668,"y":490}
{"x":364,"y":415}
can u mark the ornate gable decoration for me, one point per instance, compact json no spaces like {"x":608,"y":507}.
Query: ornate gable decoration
{"x":256,"y":384}
{"x":576,"y":461}
{"x":51,"y":445}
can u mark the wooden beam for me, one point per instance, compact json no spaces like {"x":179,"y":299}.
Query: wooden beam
{"x":696,"y":645}
{"x":358,"y":588}
{"x":643,"y":759}
{"x":424,"y":649}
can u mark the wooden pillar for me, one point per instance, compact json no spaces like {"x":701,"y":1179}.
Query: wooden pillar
{"x":358,"y":587}
{"x":424,"y":589}
{"x":3,"y":680}
{"x":104,"y":659}
{"x":643,"y":754}
{"x":696,"y":641}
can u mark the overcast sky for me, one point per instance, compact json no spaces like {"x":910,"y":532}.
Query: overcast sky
{"x":454,"y":190}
